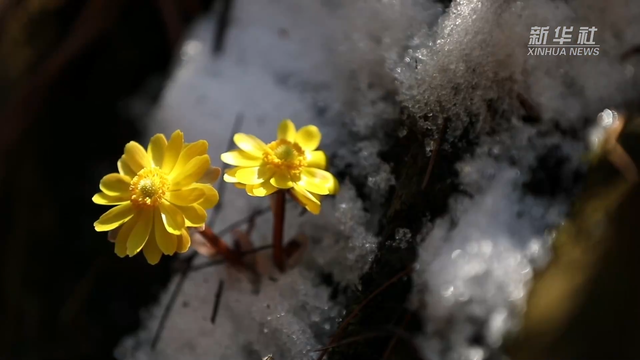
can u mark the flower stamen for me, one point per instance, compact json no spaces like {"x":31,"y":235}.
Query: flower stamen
{"x":149,"y":187}
{"x":285,"y":155}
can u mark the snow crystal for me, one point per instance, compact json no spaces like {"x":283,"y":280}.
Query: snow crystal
{"x":477,"y":262}
{"x":346,"y":252}
{"x":402,"y":238}
{"x":474,"y":64}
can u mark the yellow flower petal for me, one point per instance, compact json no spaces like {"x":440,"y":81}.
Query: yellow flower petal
{"x":136,"y":157}
{"x":167,"y":242}
{"x":123,"y":236}
{"x":313,"y":186}
{"x":240,"y":158}
{"x":189,"y":153}
{"x":211,"y":197}
{"x":317,"y":159}
{"x":191,"y":172}
{"x":184,"y":242}
{"x":186,"y":196}
{"x":155,"y":150}
{"x":249,"y":143}
{"x":140,"y":232}
{"x":125,"y":169}
{"x":114,"y":217}
{"x":210,"y":176}
{"x":115,"y":185}
{"x":112,"y":235}
{"x":240,"y":186}
{"x":172,"y":151}
{"x":309,"y":201}
{"x":230,"y":175}
{"x":151,"y":250}
{"x":318,"y":181}
{"x":194,"y":215}
{"x":308,"y":137}
{"x":282,"y":180}
{"x":334,"y":188}
{"x":104,"y":199}
{"x":262,"y":189}
{"x":287,"y":130}
{"x":172,"y":218}
{"x":254,"y":175}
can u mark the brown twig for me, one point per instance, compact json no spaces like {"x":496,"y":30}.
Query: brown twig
{"x":355,"y":312}
{"x":222,"y":25}
{"x":216,"y":303}
{"x":351,"y":340}
{"x":278,"y":229}
{"x":223,"y":261}
{"x":398,"y":333}
{"x":221,"y":247}
{"x":393,"y":341}
{"x":245,"y":220}
{"x":434,"y":154}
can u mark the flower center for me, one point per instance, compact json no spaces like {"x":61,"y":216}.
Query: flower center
{"x":149,"y":187}
{"x":285,"y":155}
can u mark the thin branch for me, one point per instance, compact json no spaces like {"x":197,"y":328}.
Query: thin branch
{"x":393,"y":341}
{"x":222,"y":26}
{"x":398,"y":333}
{"x":434,"y":155}
{"x":222,"y":261}
{"x":236,"y":224}
{"x":221,"y":247}
{"x":216,"y":303}
{"x":351,"y":340}
{"x":355,"y":312}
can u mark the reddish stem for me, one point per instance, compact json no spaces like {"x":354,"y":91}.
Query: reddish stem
{"x":221,"y":247}
{"x":278,"y":229}
{"x":395,"y":338}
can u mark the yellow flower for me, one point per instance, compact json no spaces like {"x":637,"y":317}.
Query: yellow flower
{"x":291,"y":162}
{"x":159,"y":193}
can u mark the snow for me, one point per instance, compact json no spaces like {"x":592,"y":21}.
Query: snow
{"x":348,"y":67}
{"x":477,"y":263}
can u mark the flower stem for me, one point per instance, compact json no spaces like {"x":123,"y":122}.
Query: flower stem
{"x":278,"y":229}
{"x":221,"y":247}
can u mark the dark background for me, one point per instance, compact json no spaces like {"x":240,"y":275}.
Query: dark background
{"x":66,"y":69}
